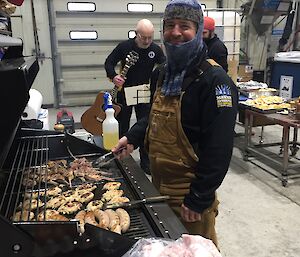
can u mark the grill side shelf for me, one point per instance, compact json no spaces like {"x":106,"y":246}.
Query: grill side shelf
{"x":16,"y":241}
{"x":160,"y":215}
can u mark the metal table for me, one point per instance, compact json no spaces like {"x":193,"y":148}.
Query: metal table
{"x":287,"y":122}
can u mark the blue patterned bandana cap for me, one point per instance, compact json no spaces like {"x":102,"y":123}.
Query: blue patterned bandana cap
{"x":180,"y":56}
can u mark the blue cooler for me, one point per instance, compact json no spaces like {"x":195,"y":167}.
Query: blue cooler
{"x":285,"y":76}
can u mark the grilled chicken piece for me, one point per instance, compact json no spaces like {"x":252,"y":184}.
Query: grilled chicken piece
{"x":79,"y":174}
{"x":93,"y":205}
{"x":119,"y":199}
{"x":108,"y":195}
{"x":70,"y":207}
{"x":93,"y":176}
{"x":112,"y":185}
{"x":80,"y":163}
{"x":34,"y":194}
{"x":23,"y":216}
{"x":56,"y":202}
{"x":69,"y":175}
{"x":54,"y":191}
{"x":28,"y":182}
{"x":69,"y":195}
{"x":30,"y":173}
{"x":31,"y":205}
{"x":49,"y":213}
{"x":85,"y":197}
{"x":54,"y":179}
{"x":85,"y":188}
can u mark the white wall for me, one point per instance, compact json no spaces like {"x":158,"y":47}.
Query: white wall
{"x":22,"y":27}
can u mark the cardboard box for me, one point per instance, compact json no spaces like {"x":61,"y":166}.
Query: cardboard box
{"x":245,"y":72}
{"x":233,"y":69}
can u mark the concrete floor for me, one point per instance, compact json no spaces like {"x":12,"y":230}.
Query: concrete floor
{"x":257,"y":216}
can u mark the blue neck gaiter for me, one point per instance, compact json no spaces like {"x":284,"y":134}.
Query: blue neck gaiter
{"x":179,"y":57}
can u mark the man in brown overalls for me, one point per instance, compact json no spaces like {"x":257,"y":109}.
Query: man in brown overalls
{"x":189,"y":133}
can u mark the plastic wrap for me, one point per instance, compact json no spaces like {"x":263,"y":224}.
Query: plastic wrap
{"x":185,"y":246}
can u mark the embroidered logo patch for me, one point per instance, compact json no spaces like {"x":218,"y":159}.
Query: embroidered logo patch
{"x":151,"y":54}
{"x":223,"y":96}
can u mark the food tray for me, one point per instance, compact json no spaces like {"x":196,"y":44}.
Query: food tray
{"x":255,"y":109}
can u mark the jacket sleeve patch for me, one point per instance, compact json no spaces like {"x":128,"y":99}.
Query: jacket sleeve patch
{"x":223,"y":96}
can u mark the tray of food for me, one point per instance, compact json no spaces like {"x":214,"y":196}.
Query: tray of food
{"x":266,"y":104}
{"x":255,"y":93}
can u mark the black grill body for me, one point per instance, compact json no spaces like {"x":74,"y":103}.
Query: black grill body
{"x":23,"y":150}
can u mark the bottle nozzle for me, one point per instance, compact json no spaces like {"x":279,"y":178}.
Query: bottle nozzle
{"x":107,"y":100}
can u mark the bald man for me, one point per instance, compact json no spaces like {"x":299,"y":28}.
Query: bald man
{"x":150,"y":54}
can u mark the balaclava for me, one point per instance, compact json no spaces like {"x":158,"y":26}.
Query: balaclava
{"x":180,"y":56}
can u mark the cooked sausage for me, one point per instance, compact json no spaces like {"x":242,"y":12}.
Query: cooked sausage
{"x":113,"y":218}
{"x":116,"y":229}
{"x":124,"y":219}
{"x":81,"y":217}
{"x":102,"y":217}
{"x":90,"y":218}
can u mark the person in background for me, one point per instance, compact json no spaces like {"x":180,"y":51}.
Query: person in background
{"x":216,"y":48}
{"x":150,"y":54}
{"x":189,"y":132}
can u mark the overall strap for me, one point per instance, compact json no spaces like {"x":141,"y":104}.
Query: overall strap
{"x":161,"y":75}
{"x":202,"y":68}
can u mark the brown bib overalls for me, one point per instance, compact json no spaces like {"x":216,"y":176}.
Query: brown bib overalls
{"x":173,"y":161}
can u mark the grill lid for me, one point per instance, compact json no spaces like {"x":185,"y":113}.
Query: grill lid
{"x":17,"y":76}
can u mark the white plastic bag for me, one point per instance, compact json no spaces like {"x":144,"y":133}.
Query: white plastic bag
{"x":185,"y":246}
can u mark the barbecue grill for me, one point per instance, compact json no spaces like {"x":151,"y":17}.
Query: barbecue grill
{"x":25,"y":149}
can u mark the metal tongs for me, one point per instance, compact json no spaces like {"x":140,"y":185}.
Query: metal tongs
{"x":108,"y":157}
{"x":153,"y":199}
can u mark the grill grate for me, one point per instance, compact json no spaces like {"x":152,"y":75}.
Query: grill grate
{"x":31,"y":152}
{"x":30,"y":159}
{"x":138,"y":226}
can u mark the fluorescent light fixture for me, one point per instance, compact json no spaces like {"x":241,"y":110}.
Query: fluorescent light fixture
{"x":267,"y":19}
{"x":131,"y":34}
{"x":140,"y":7}
{"x":81,"y":7}
{"x":83,"y":35}
{"x":283,"y":6}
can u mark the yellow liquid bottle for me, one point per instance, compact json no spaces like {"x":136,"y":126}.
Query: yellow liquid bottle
{"x":110,"y":140}
{"x":110,"y":127}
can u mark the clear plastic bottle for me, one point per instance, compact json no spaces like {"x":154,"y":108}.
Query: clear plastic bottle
{"x":110,"y":125}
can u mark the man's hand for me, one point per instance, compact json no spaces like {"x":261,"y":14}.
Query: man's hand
{"x":128,"y":148}
{"x":118,"y":81}
{"x":188,"y":215}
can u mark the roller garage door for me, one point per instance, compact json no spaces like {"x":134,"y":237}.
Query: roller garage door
{"x":83,"y":34}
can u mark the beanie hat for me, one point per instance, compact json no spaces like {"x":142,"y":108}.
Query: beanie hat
{"x":209,"y":23}
{"x":184,"y":9}
{"x":180,"y":56}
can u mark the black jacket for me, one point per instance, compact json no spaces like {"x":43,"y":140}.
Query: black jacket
{"x":217,"y":51}
{"x":209,"y":128}
{"x":139,"y":73}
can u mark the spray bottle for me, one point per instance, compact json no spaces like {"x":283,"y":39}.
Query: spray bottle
{"x":110,"y":125}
